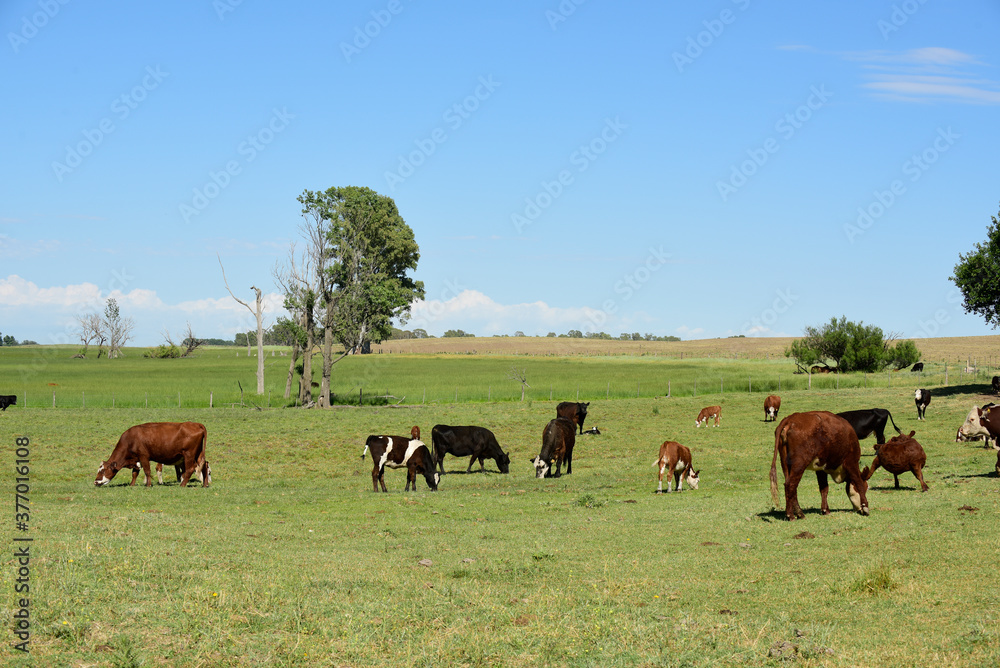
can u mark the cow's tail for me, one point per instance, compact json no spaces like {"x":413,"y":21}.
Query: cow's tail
{"x":779,"y":434}
{"x":898,"y":431}
{"x":365,"y":451}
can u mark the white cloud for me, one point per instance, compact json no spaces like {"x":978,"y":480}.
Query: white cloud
{"x":926,"y":74}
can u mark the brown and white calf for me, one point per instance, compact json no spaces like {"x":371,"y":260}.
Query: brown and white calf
{"x":401,"y":452}
{"x":707,"y":413}
{"x":675,"y":461}
{"x":771,"y":406}
{"x":899,"y":455}
{"x":980,"y":423}
{"x":172,"y":443}
{"x":822,"y":442}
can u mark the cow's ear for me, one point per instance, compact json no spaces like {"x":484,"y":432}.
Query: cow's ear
{"x":912,"y":433}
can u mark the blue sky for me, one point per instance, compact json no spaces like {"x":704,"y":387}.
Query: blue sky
{"x":695,"y":169}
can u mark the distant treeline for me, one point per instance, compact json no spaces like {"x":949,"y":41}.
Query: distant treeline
{"x":9,"y":340}
{"x":401,"y":334}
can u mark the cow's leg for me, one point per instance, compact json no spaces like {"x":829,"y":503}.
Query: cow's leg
{"x":659,"y":487}
{"x":145,"y":469}
{"x":471,"y":462}
{"x":896,"y":479}
{"x":411,"y":479}
{"x":135,"y":474}
{"x":792,"y":509}
{"x":679,"y":480}
{"x":379,"y":475}
{"x":569,"y":463}
{"x":824,"y":491}
{"x":918,"y":472}
{"x":375,"y":478}
{"x":159,"y":473}
{"x":880,"y":435}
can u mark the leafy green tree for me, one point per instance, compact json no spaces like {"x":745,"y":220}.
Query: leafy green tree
{"x":453,"y":333}
{"x":850,"y":346}
{"x":977,"y":275}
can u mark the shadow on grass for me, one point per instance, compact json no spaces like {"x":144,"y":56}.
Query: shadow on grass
{"x":779,"y":515}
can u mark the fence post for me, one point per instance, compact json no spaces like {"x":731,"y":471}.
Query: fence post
{"x":210,"y":396}
{"x":810,"y":379}
{"x":112,"y":399}
{"x":721,"y":386}
{"x":84,"y":398}
{"x":607,"y":393}
{"x":53,"y":398}
{"x":668,"y":388}
{"x":178,"y":398}
{"x":147,"y":399}
{"x":945,"y":373}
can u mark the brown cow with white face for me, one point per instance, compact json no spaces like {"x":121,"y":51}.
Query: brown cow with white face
{"x":822,"y":442}
{"x":980,"y":423}
{"x":558,"y":439}
{"x":771,"y":406}
{"x":707,"y":413}
{"x":164,"y":442}
{"x":899,"y":455}
{"x":675,"y":461}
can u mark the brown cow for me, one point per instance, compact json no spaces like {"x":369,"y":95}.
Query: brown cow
{"x":573,"y":411}
{"x":771,"y":406}
{"x":899,"y":455}
{"x":399,"y":452}
{"x":676,"y":459}
{"x":981,"y":423}
{"x":822,"y":442}
{"x":163,"y":442}
{"x":708,"y":412}
{"x":558,"y":439}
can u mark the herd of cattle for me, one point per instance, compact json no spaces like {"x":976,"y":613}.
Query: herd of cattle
{"x":819,"y":441}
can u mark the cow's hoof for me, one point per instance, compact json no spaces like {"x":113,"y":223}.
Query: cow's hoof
{"x":864,"y":511}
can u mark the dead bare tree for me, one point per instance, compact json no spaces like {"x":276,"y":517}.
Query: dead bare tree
{"x":118,"y":329}
{"x":91,"y":331}
{"x":520,"y":377}
{"x":258,"y":313}
{"x":298,"y":281}
{"x":191,"y":343}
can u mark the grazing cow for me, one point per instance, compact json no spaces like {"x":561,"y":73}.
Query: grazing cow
{"x":980,"y":423}
{"x":922,"y":399}
{"x":822,"y":442}
{"x":474,"y":442}
{"x":919,"y":366}
{"x":870,"y":420}
{"x":899,"y":455}
{"x":996,"y":384}
{"x":821,"y":369}
{"x":7,"y":400}
{"x":574,"y":412}
{"x":558,"y":439}
{"x":707,"y":413}
{"x":771,"y":406}
{"x":676,"y":459}
{"x":401,"y":452}
{"x":171,"y":443}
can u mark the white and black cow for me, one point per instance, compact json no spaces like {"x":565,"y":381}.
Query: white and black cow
{"x":922,"y":398}
{"x":401,"y":452}
{"x":468,"y":441}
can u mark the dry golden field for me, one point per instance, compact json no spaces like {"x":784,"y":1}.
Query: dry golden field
{"x":981,"y":350}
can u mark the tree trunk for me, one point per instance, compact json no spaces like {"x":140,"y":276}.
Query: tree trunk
{"x":324,"y":384}
{"x":305,"y":381}
{"x":291,"y":370}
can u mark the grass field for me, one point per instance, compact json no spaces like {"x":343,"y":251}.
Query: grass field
{"x":289,"y":558}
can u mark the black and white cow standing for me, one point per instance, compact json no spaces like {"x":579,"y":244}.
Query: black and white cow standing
{"x":401,"y":452}
{"x":922,"y":398}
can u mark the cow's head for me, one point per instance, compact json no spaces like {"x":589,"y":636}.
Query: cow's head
{"x":692,"y":478}
{"x":503,"y":462}
{"x":415,"y":433}
{"x":106,"y":471}
{"x":973,"y":427}
{"x":542,"y":467}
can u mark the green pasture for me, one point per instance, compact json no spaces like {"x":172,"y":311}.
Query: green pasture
{"x":290,"y":559}
{"x":49,"y":376}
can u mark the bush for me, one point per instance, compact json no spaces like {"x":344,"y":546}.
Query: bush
{"x":163,"y":351}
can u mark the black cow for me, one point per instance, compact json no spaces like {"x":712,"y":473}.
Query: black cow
{"x":573,"y":411}
{"x":475,"y":442}
{"x":7,"y":400}
{"x":922,"y":398}
{"x":919,"y":366}
{"x":996,"y":384}
{"x":870,"y":420}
